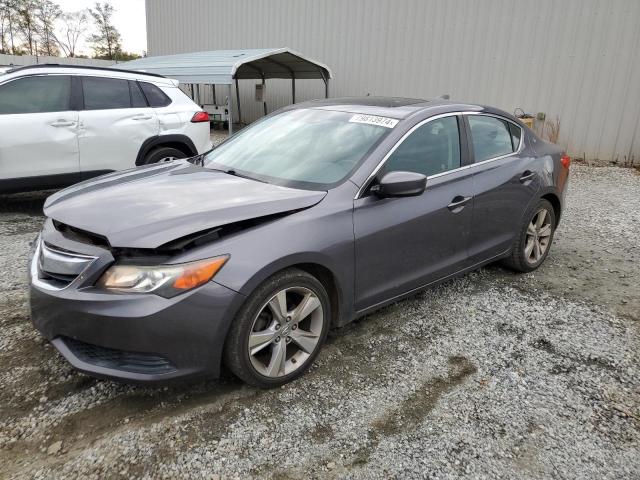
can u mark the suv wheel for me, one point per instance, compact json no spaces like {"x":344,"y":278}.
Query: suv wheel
{"x":163,"y":154}
{"x":279,"y":331}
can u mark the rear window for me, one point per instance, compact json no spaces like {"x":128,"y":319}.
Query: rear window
{"x":105,"y":93}
{"x":155,"y":96}
{"x":137,"y":99}
{"x":491,"y":137}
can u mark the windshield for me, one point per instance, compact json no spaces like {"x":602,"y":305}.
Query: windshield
{"x":311,"y":149}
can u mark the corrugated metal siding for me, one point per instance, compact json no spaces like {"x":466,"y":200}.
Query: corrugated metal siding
{"x":578,"y":60}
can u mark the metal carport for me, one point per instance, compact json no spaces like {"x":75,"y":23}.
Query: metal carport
{"x":226,"y":67}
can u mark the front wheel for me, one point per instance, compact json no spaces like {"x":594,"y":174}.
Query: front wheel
{"x":279,"y":331}
{"x":534,"y":239}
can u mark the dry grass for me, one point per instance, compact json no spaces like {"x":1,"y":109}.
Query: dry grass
{"x":552,"y":130}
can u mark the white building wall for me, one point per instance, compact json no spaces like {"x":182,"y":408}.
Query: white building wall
{"x":578,"y":60}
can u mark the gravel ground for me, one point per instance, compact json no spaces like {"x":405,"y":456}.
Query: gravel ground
{"x":493,"y":375}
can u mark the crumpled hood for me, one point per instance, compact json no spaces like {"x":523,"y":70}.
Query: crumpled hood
{"x":150,"y":206}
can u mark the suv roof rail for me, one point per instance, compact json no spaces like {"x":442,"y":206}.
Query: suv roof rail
{"x":90,"y":67}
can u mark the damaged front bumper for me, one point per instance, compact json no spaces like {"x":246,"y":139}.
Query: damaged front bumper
{"x":129,"y":337}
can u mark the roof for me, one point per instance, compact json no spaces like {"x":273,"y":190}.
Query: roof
{"x":223,"y":66}
{"x":87,"y":70}
{"x":396,"y":107}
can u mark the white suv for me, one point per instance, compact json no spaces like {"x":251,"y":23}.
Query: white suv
{"x":62,"y":124}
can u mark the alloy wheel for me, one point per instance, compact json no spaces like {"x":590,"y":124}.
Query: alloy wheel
{"x":538,"y":236}
{"x":286,"y":332}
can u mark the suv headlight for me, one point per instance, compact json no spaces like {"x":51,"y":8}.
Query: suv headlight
{"x":164,"y":280}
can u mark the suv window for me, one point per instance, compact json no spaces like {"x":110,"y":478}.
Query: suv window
{"x":137,"y":98}
{"x":105,"y":93}
{"x":155,"y":96}
{"x":432,"y":148}
{"x":46,"y":93}
{"x":491,"y":137}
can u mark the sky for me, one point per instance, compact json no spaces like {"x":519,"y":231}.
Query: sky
{"x":129,"y":19}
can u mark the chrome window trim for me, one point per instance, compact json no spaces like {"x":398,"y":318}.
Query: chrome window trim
{"x":375,"y":171}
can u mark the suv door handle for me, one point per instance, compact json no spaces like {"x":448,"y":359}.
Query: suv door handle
{"x":63,"y":123}
{"x":458,"y":203}
{"x":526,"y":176}
{"x":141,"y":117}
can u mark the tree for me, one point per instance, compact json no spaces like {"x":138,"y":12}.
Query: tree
{"x":4,"y":14}
{"x":47,"y":14}
{"x":27,"y":24}
{"x":74,"y":25}
{"x":106,"y":42}
{"x":8,"y":26}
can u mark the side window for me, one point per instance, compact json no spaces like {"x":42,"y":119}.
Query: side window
{"x":47,"y":93}
{"x":491,"y":137}
{"x":137,"y":99}
{"x":432,"y":148}
{"x":105,"y":93}
{"x":516,"y":132}
{"x":155,"y":96}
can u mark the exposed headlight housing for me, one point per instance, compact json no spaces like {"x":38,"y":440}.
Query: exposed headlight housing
{"x":164,"y":280}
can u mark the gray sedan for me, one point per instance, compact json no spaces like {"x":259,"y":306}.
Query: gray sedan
{"x":317,"y":214}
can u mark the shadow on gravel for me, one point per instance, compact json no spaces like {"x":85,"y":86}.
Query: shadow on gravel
{"x":29,"y":203}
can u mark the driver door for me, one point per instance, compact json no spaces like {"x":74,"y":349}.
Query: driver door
{"x":405,"y":243}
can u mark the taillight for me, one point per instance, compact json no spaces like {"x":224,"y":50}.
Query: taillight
{"x":565,"y":160}
{"x":200,"y":117}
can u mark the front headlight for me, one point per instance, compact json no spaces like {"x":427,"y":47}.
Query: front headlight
{"x":164,"y":280}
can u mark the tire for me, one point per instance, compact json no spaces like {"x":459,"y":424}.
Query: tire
{"x":273,"y":336}
{"x":524,"y":257}
{"x":163,"y":154}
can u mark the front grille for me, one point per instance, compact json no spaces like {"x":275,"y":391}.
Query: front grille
{"x":60,"y":267}
{"x":134,"y":362}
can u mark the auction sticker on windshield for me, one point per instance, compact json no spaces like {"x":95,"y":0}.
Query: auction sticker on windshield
{"x":374,"y":120}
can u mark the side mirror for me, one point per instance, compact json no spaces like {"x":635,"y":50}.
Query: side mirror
{"x":400,"y":184}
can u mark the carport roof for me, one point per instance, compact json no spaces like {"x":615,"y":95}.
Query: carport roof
{"x":223,"y":66}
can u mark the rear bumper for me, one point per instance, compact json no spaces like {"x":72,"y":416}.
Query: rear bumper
{"x":137,"y":338}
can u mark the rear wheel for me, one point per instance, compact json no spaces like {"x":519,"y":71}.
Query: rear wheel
{"x":163,"y":154}
{"x":279,"y":331}
{"x":534,"y":240}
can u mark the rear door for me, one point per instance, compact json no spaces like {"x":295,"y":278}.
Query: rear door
{"x":38,"y":129}
{"x":504,"y":183}
{"x":114,"y":123}
{"x":405,"y":243}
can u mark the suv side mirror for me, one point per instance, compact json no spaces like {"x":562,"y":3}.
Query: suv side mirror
{"x":400,"y":184}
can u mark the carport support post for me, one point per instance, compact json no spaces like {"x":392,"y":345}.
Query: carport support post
{"x":238,"y":100}
{"x":230,"y":106}
{"x":325,"y":78}
{"x":264,"y":98}
{"x":293,"y":88}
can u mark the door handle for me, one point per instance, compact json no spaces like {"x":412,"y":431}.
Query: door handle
{"x":62,"y":123}
{"x":458,"y":203}
{"x":141,"y":117}
{"x":526,"y":176}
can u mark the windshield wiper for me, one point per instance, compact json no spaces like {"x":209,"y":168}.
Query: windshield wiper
{"x":231,"y":171}
{"x":197,"y":160}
